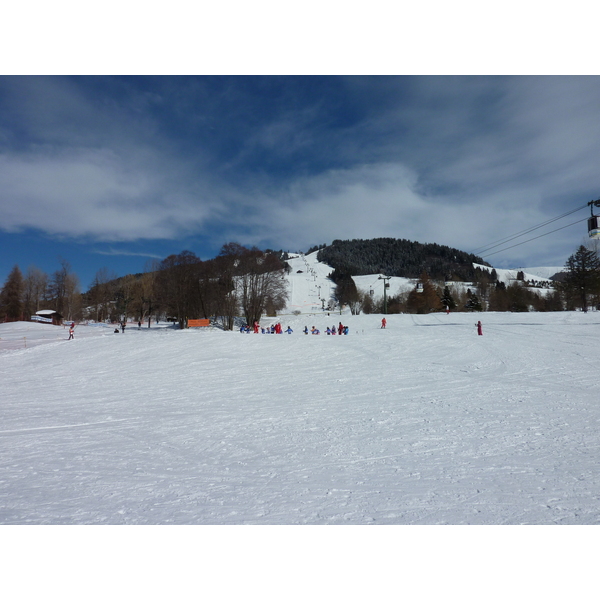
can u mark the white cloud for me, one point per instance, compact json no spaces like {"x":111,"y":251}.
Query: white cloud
{"x":364,"y":202}
{"x":95,"y":193}
{"x":382,"y":200}
{"x":457,"y":161}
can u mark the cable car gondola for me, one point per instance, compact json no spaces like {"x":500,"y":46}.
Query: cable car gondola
{"x":594,"y":226}
{"x":594,"y":220}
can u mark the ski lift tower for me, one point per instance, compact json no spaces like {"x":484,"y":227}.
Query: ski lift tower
{"x":385,"y":286}
{"x":594,"y":220}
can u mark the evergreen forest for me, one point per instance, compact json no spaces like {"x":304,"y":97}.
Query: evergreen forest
{"x":400,"y":258}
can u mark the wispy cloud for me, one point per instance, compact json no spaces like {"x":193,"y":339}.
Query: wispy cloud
{"x":113,"y":252}
{"x":99,"y":194}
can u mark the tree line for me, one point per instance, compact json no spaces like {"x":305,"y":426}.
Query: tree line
{"x":240,"y":281}
{"x":24,"y":294}
{"x":249,"y":282}
{"x":577,"y":288}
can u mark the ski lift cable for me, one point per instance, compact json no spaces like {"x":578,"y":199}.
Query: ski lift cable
{"x":524,"y":232}
{"x":534,"y":238}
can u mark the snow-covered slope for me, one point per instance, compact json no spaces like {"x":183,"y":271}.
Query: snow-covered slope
{"x":509,"y":275}
{"x":29,"y":334}
{"x":311,"y":290}
{"x":424,"y":422}
{"x":544,"y":272}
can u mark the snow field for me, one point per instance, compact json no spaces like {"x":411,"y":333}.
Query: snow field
{"x":422,"y":423}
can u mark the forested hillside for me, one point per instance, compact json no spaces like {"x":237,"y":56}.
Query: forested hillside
{"x":239,"y":280}
{"x":399,"y":258}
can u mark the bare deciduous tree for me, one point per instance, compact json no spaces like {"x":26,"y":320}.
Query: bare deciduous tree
{"x":36,"y":285}
{"x":258,"y":278}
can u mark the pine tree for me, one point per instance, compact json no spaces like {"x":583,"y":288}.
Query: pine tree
{"x":583,"y":277}
{"x":448,"y":300}
{"x":473,"y":302}
{"x":11,"y":296}
{"x":345,"y":290}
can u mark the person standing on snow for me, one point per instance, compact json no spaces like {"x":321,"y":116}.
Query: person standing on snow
{"x":72,"y":331}
{"x":383,"y":323}
{"x":479,"y":328}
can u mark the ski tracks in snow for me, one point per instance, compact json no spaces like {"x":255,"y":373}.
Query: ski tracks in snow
{"x":424,"y":422}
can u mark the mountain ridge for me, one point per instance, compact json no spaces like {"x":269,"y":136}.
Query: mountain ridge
{"x":399,"y":258}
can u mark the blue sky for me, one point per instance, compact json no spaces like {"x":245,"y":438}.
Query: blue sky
{"x":114,"y":171}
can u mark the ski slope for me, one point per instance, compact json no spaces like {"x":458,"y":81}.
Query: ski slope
{"x":542,"y":272}
{"x":535,"y":274}
{"x":421,"y":423}
{"x":311,"y":290}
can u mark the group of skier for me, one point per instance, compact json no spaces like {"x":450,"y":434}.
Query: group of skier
{"x":256,"y":328}
{"x":276,"y":328}
{"x":341,"y":330}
